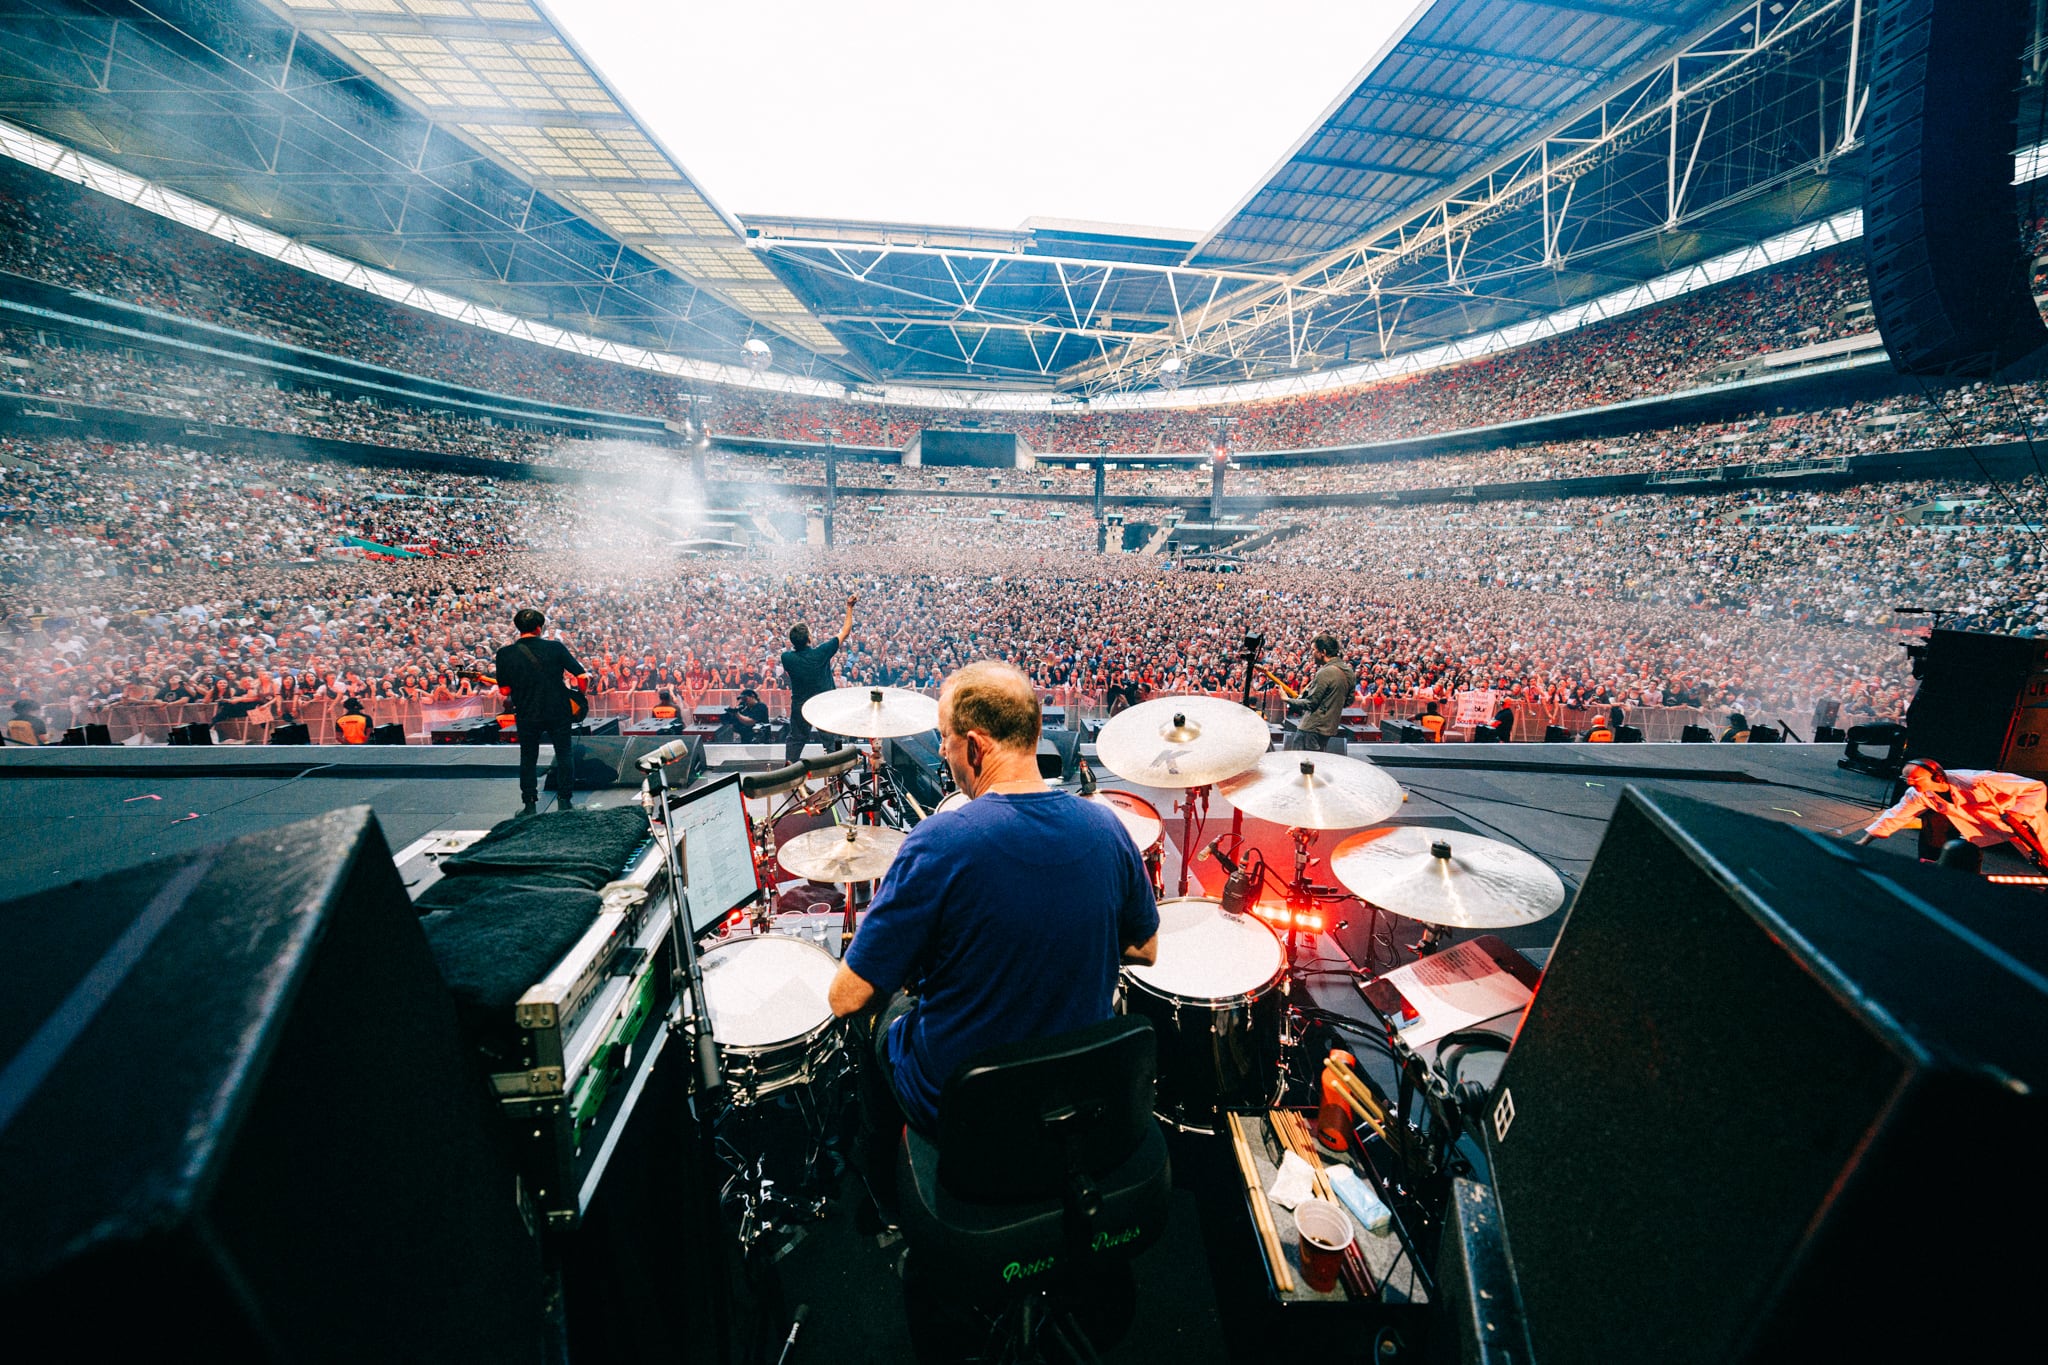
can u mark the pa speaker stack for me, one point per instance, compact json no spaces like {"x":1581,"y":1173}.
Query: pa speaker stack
{"x":1949,"y":280}
{"x":1774,"y":1098}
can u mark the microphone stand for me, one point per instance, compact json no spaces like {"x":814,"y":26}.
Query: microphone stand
{"x":710,"y":1076}
{"x":1254,"y":646}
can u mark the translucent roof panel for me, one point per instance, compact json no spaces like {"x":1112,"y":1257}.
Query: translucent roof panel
{"x":508,"y":83}
{"x":1466,"y":83}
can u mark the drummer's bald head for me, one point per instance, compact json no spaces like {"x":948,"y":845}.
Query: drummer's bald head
{"x":993,"y":698}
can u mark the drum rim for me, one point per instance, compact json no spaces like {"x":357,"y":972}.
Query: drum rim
{"x":1128,"y":969}
{"x":804,"y":1039}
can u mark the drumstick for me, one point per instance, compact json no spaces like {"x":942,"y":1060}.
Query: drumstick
{"x":1276,"y":1260}
{"x":1355,"y":1099}
{"x":1358,"y":1096}
{"x":1293,"y":1133}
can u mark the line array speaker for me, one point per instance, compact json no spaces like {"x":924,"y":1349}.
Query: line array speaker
{"x":1949,"y":280}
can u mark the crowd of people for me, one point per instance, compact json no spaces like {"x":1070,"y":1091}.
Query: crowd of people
{"x":132,"y":572}
{"x":45,"y":365}
{"x":138,"y":572}
{"x":1675,"y":345}
{"x":62,"y":234}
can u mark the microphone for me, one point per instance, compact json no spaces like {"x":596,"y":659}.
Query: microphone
{"x":1240,"y":890}
{"x":1241,"y":887}
{"x":1087,"y":777}
{"x":796,"y":1324}
{"x":665,"y":755}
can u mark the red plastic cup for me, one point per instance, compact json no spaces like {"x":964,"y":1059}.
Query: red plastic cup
{"x":1326,"y":1235}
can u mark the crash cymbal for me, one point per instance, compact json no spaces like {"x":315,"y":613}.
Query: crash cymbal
{"x":872,"y":712}
{"x":1182,"y":741}
{"x":1459,"y":881}
{"x":1314,"y":791}
{"x":853,"y":853}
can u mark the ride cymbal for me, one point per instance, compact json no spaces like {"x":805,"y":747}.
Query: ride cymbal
{"x":872,"y":712}
{"x":1458,"y":881}
{"x":1182,"y":741}
{"x":1307,"y":790}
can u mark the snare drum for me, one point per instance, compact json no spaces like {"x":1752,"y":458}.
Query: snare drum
{"x":954,"y":801}
{"x":1213,"y":1001}
{"x":768,"y":1001}
{"x":1141,"y":821}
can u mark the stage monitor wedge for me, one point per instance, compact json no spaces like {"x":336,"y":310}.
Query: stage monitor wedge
{"x":1949,"y":278}
{"x":1774,"y":1099}
{"x":238,"y":1122}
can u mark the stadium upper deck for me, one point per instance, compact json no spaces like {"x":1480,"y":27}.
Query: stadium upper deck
{"x":1501,"y":161}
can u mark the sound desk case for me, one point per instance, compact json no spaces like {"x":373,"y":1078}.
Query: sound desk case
{"x":590,"y":1032}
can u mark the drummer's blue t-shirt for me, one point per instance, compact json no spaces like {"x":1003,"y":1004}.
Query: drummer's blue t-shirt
{"x":1009,"y":915}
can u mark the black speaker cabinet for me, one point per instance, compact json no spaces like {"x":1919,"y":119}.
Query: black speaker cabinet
{"x":1949,"y":280}
{"x":1775,"y":1098}
{"x":1982,"y":703}
{"x":238,"y":1123}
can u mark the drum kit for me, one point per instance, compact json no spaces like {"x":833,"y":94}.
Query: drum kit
{"x":1217,"y":993}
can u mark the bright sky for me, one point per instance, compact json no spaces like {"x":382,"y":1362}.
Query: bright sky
{"x":978,"y":114}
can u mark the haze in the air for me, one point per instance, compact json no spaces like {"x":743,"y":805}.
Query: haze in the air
{"x":1128,"y":111}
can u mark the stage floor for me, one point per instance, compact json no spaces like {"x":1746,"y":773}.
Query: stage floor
{"x":76,"y":814}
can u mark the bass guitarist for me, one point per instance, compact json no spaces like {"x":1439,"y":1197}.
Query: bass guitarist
{"x":530,"y":672}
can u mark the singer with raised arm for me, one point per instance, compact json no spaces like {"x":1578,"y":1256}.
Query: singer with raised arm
{"x":1001,"y":921}
{"x":1321,"y":703}
{"x":1985,"y":807}
{"x":809,"y":669}
{"x":530,"y":672}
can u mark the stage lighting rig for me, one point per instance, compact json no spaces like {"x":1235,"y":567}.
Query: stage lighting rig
{"x":756,"y":355}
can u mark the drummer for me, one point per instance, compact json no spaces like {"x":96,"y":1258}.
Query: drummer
{"x":1008,"y":918}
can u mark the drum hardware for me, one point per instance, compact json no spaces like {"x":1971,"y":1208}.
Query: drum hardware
{"x":781,"y":1049}
{"x":708,"y":1078}
{"x":1189,"y":743}
{"x":793,"y":783}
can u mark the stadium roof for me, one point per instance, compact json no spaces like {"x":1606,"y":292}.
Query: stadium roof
{"x":1459,"y":85}
{"x":502,"y":75}
{"x":1498,"y":160}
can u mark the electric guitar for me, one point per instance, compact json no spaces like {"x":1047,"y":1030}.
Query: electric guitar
{"x":579,"y":700}
{"x":1280,"y":683}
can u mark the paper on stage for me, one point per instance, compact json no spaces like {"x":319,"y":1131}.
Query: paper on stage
{"x":1454,"y":989}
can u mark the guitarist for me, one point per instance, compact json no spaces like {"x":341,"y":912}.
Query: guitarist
{"x":1322,"y":703}
{"x":530,"y":672}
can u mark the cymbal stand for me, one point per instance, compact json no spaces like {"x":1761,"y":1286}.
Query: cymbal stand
{"x":767,"y":864}
{"x":1190,"y":797}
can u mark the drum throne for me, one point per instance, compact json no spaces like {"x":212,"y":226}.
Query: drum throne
{"x":1049,"y":1169}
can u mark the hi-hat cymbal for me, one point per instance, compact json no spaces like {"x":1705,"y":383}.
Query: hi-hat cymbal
{"x":1314,"y":791}
{"x":1459,"y":881}
{"x":854,"y":853}
{"x":1182,"y":741}
{"x":872,"y":712}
